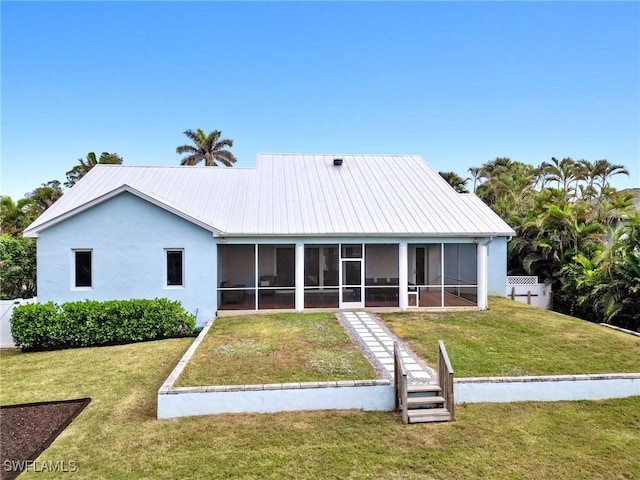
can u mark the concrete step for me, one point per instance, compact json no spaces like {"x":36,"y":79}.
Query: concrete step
{"x":428,"y":415}
{"x":432,"y":400}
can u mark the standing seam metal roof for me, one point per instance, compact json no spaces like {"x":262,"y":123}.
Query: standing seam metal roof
{"x":297,"y":194}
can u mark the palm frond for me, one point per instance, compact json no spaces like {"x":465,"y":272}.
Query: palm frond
{"x":186,"y":149}
{"x":192,"y":159}
{"x":225,"y":157}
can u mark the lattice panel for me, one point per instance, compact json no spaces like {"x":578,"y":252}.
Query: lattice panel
{"x":522,"y":280}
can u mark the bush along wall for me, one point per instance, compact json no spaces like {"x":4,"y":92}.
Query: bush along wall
{"x":89,"y":323}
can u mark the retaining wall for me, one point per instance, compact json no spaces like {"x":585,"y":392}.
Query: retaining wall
{"x":174,"y":402}
{"x":376,"y":394}
{"x":546,"y":388}
{"x":271,"y":398}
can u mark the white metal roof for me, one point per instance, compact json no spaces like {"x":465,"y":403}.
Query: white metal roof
{"x":295,"y":194}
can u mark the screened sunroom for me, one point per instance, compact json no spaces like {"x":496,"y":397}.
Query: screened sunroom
{"x":346,"y":275}
{"x":256,"y":277}
{"x":444,"y":275}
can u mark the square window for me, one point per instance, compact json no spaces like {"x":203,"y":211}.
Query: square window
{"x":352,"y":251}
{"x":82,"y":268}
{"x":175,"y":268}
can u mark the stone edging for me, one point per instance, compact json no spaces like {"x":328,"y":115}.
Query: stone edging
{"x":273,"y":386}
{"x":549,"y":378}
{"x":175,"y":373}
{"x":620,"y":329}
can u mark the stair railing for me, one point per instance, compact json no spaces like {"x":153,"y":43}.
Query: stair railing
{"x":445,"y":377}
{"x":400,"y":381}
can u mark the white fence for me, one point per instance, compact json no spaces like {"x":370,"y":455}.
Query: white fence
{"x":6,"y":310}
{"x":527,"y":289}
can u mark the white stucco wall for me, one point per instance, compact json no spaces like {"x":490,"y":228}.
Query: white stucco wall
{"x":551,"y":388}
{"x":497,"y":266}
{"x":187,"y":401}
{"x":128,"y":237}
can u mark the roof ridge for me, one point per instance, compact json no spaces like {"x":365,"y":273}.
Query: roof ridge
{"x":341,"y":154}
{"x":184,"y":167}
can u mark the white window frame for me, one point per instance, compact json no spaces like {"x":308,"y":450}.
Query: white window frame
{"x":74,"y":251}
{"x":166,"y":269}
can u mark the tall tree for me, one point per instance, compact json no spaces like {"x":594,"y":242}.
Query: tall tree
{"x":16,"y":216}
{"x":458,"y":183}
{"x":79,"y":171}
{"x":476,"y":175}
{"x":564,"y":172}
{"x":206,"y":147}
{"x":46,"y":194}
{"x":608,"y":286}
{"x":17,"y":267}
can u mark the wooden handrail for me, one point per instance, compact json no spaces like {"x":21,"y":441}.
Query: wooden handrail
{"x":400,"y":381}
{"x":445,"y":377}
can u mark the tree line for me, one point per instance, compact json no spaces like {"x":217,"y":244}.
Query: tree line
{"x":573,"y":230}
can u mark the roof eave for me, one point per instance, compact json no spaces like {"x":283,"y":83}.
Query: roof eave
{"x":35,"y":232}
{"x":373,"y":234}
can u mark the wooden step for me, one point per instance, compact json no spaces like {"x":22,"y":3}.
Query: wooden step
{"x":429,"y":415}
{"x":427,"y":387}
{"x":420,"y":400}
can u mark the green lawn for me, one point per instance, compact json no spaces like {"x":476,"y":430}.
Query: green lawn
{"x":512,"y":338}
{"x":276,"y":348}
{"x":118,"y":437}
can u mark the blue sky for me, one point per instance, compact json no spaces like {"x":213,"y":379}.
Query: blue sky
{"x":458,"y":83}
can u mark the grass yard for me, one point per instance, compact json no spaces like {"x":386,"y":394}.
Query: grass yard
{"x":512,"y":338}
{"x":118,"y":437}
{"x":276,"y":348}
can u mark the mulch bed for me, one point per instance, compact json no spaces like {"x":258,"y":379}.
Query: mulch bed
{"x":26,"y":430}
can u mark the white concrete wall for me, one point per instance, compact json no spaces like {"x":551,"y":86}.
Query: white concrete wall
{"x":128,"y":237}
{"x":189,"y":401}
{"x":497,"y":266}
{"x":546,"y":388}
{"x":6,"y":310}
{"x":540,"y":294}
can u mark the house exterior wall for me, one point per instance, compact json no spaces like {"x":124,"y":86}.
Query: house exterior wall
{"x":128,"y":237}
{"x":497,"y":266}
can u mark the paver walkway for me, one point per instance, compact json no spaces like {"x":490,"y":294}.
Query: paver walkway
{"x":376,"y":341}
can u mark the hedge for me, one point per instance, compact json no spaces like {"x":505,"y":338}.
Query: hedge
{"x":89,"y":323}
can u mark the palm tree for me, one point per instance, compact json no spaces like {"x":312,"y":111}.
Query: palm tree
{"x":209,"y":148}
{"x":79,"y":171}
{"x":458,"y":183}
{"x":476,"y":175}
{"x":564,"y":172}
{"x":16,"y":216}
{"x":608,"y":171}
{"x":597,"y":174}
{"x":615,"y":292}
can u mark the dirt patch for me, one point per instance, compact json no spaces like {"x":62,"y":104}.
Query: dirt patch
{"x":26,"y":430}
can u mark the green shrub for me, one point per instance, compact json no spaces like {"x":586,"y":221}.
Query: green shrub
{"x":89,"y":322}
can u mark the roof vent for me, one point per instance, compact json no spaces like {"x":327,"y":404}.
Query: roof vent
{"x":337,"y":162}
